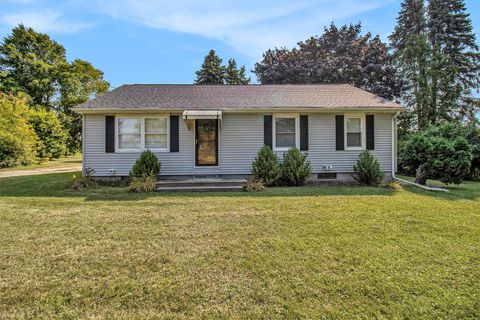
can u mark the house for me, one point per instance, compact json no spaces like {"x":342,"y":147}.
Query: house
{"x":217,"y":130}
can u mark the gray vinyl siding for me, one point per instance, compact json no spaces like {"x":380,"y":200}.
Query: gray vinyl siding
{"x":240,"y":138}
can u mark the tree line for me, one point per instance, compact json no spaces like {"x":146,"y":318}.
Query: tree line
{"x":431,"y":65}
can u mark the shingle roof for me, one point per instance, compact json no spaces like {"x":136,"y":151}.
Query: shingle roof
{"x":222,"y":97}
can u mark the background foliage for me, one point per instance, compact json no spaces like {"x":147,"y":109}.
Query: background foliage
{"x":35,"y":66}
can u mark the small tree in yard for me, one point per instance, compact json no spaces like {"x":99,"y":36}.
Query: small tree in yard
{"x":367,"y":170}
{"x":295,"y":168}
{"x":265,"y":167}
{"x":147,"y":165}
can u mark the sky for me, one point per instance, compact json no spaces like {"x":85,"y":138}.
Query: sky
{"x":159,"y":41}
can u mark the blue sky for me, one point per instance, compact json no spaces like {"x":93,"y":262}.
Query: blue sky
{"x":158,"y":41}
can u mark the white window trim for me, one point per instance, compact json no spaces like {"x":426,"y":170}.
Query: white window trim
{"x":363,"y":138}
{"x":142,"y":133}
{"x":295,"y":116}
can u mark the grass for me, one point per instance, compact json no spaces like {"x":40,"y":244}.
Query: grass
{"x":338,"y":252}
{"x":62,"y":162}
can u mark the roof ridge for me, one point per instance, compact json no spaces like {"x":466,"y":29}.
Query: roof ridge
{"x":243,"y":85}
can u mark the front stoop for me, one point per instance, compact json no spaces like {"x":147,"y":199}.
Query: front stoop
{"x":195,"y":185}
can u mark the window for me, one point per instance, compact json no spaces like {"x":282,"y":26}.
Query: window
{"x":354,"y":132}
{"x":137,"y":134}
{"x":129,"y":134}
{"x":156,"y":133}
{"x":285,"y":132}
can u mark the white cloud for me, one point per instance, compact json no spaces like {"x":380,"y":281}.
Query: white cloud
{"x":47,"y":21}
{"x":249,"y":26}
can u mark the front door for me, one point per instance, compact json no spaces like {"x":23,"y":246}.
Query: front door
{"x":206,"y":142}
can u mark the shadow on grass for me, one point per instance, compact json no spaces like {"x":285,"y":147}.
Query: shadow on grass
{"x":58,"y":185}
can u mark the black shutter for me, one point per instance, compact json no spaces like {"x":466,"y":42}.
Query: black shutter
{"x":370,"y":124}
{"x":174,"y":134}
{"x":267,"y":131}
{"x":110,"y":134}
{"x":303,"y":133}
{"x":340,"y":132}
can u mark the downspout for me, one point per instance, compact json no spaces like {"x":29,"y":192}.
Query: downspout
{"x":394,"y":161}
{"x":83,"y":144}
{"x":394,"y":149}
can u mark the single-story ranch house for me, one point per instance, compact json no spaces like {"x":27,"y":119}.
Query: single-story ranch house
{"x":217,"y":130}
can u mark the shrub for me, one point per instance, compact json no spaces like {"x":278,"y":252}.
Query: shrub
{"x":86,"y":181}
{"x":265,"y":167}
{"x":50,"y":132}
{"x":146,"y":165}
{"x":18,"y":140}
{"x":253,"y":185}
{"x":143,"y":184}
{"x":367,"y":170}
{"x":441,"y":153}
{"x":295,"y":168}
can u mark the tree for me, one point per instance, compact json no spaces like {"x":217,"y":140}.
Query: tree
{"x":413,"y":64}
{"x":438,"y":60}
{"x":18,"y":141}
{"x":451,"y":34}
{"x":410,"y":22}
{"x":30,"y":61}
{"x":50,"y":132}
{"x":79,"y":81}
{"x":339,"y":55}
{"x":33,"y":63}
{"x":211,"y":71}
{"x":234,"y":75}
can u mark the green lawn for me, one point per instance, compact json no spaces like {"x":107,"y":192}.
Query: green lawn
{"x":62,"y":162}
{"x":313,"y":252}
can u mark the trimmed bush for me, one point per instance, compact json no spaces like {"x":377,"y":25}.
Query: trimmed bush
{"x":295,"y":168}
{"x":253,"y":185}
{"x":143,"y":184}
{"x":146,"y":165}
{"x":367,"y":170}
{"x":265,"y":167}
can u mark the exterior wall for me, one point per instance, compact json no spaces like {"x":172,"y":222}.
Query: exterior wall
{"x":240,"y":138}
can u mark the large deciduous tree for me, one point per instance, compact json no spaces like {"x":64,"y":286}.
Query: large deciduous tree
{"x":339,"y":55}
{"x":33,"y":63}
{"x":30,"y":62}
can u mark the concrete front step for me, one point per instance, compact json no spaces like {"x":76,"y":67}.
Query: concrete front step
{"x":200,"y":185}
{"x":200,"y":188}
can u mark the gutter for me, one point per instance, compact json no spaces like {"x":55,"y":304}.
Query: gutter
{"x":394,"y":162}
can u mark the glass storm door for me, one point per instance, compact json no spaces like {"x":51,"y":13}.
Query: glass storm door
{"x":206,"y":142}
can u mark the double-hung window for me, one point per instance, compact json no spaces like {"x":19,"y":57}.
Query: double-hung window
{"x":354,"y":131}
{"x":136,"y":134}
{"x":285,"y":132}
